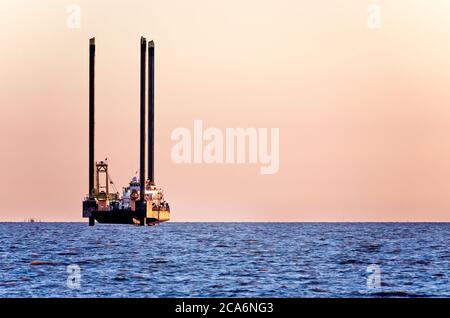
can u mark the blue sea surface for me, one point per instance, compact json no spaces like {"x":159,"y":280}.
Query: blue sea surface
{"x":225,"y":260}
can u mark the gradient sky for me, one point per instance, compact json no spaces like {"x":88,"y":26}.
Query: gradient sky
{"x":364,"y":115}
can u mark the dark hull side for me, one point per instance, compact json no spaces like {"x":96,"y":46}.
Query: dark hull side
{"x":122,"y":217}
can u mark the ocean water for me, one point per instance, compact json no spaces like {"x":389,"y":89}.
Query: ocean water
{"x":225,"y":260}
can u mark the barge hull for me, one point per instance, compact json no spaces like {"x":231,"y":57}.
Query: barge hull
{"x":127,"y":217}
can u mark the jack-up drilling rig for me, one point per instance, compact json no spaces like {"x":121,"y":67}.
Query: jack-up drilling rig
{"x":141,"y":202}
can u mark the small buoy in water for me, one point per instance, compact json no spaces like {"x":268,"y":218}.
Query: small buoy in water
{"x":263,"y":270}
{"x":40,"y":263}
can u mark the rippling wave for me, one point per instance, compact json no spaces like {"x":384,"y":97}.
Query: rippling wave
{"x":225,"y":260}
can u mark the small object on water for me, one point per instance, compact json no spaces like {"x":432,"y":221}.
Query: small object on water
{"x":263,"y":270}
{"x":41,"y":263}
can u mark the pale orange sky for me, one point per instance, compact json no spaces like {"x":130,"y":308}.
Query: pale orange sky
{"x":364,"y":115}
